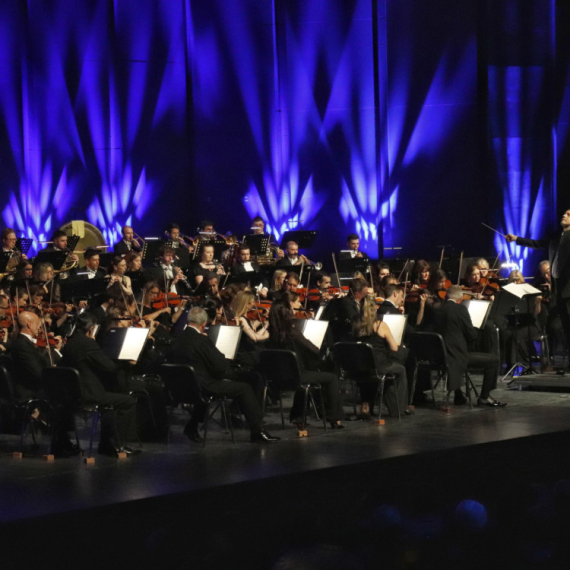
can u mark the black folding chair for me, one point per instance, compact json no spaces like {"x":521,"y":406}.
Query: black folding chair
{"x":182,"y":387}
{"x":283,"y":373}
{"x":356,"y":362}
{"x":22,"y":409}
{"x":63,"y":390}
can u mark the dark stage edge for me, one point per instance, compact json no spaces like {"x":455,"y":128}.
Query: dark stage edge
{"x":421,"y":463}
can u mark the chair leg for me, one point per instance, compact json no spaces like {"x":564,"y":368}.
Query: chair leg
{"x":433,"y":387}
{"x":354,"y":392}
{"x":94,"y":422}
{"x":206,"y":423}
{"x":323,"y":410}
{"x":313,"y":405}
{"x":413,"y":386}
{"x":224,"y":404}
{"x":305,"y":402}
{"x":381,"y":393}
{"x":264,"y":399}
{"x":170,"y":418}
{"x":280,"y":396}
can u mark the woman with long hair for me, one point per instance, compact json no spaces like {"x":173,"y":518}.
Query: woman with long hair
{"x":285,"y":336}
{"x":116,"y":272}
{"x":370,"y":330}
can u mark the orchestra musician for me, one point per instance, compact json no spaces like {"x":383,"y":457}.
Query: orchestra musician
{"x":59,"y":243}
{"x":420,"y":273}
{"x":279,"y":276}
{"x":128,"y":243}
{"x":347,"y":310}
{"x":44,"y":275}
{"x":292,"y":256}
{"x":245,"y":265}
{"x":483,"y":266}
{"x":9,"y":240}
{"x":206,"y":265}
{"x":215,"y":377}
{"x":458,"y":333}
{"x":352,"y":244}
{"x":116,"y":273}
{"x":170,"y":277}
{"x":91,"y":268}
{"x":173,"y":235}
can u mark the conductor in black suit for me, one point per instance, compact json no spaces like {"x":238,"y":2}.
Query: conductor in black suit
{"x":196,"y":349}
{"x":458,"y":333}
{"x":558,"y":245}
{"x":84,"y":354}
{"x":128,"y":243}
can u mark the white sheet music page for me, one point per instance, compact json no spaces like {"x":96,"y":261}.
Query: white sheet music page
{"x":133,"y":343}
{"x":477,"y":309}
{"x":315,"y":331}
{"x":521,"y":289}
{"x":227,"y":341}
{"x":396,"y":324}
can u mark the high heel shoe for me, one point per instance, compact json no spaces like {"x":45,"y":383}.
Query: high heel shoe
{"x":301,"y":429}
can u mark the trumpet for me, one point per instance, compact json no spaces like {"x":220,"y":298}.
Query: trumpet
{"x":139,"y":241}
{"x":318,"y":266}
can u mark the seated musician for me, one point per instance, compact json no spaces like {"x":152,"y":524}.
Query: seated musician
{"x":386,"y":280}
{"x":215,"y":377}
{"x":483,"y":266}
{"x":173,"y":235}
{"x":393,"y":303}
{"x":5,"y":315}
{"x":24,"y":270}
{"x":228,"y":294}
{"x":215,"y":311}
{"x":279,"y":276}
{"x":135,"y":271}
{"x":9,"y":240}
{"x":207,"y":264}
{"x":352,"y":245}
{"x":43,"y":275}
{"x":91,"y":268}
{"x":166,"y":315}
{"x":368,"y":329}
{"x":420,"y":274}
{"x":320,"y":295}
{"x":292,"y":256}
{"x":116,"y":273}
{"x":285,"y":336}
{"x":347,"y":310}
{"x":206,"y":230}
{"x":170,"y":277}
{"x":245,"y":265}
{"x":59,"y":243}
{"x":128,"y":243}
{"x":258,"y":228}
{"x":458,"y":334}
{"x":84,"y":354}
{"x":435,"y":298}
{"x":254,"y":331}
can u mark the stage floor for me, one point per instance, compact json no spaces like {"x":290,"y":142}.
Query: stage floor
{"x":32,"y":487}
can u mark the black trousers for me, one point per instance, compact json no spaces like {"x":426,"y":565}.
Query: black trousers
{"x":489,"y":363}
{"x":241,"y":392}
{"x":329,"y":382}
{"x":563,"y":306}
{"x":395,"y":393}
{"x":120,"y":421}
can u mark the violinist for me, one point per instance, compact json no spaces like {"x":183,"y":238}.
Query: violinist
{"x":254,"y":331}
{"x":215,"y":311}
{"x":393,"y":301}
{"x":285,"y":336}
{"x":473,"y":283}
{"x":128,"y":243}
{"x":386,"y":280}
{"x":279,"y":276}
{"x":420,"y":274}
{"x":206,"y":265}
{"x":245,"y":265}
{"x":353,"y":245}
{"x":43,"y":274}
{"x":166,"y":315}
{"x":7,"y":322}
{"x":347,"y":310}
{"x":383,"y":270}
{"x":213,"y":285}
{"x":116,"y":273}
{"x":483,"y":266}
{"x":24,"y":270}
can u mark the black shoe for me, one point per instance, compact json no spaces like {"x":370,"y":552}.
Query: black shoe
{"x":491,"y":402}
{"x":191,"y":432}
{"x":131,"y":451}
{"x":336,"y":425}
{"x":263,"y":437}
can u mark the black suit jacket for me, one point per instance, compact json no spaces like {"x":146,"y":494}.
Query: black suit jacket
{"x":387,"y":308}
{"x":121,"y":248}
{"x":259,"y":278}
{"x":284,"y":262}
{"x":157,"y":274}
{"x":199,"y":351}
{"x":81,"y":274}
{"x":458,"y":333}
{"x":554,"y":246}
{"x":86,"y":356}
{"x":28,"y":362}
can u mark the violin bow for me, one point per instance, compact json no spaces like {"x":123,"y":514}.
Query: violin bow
{"x":459,"y":272}
{"x":403,"y":269}
{"x":441,"y":258}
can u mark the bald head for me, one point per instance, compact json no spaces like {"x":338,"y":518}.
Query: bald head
{"x":29,"y":323}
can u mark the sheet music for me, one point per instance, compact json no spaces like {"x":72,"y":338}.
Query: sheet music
{"x":315,"y":331}
{"x":133,"y":344}
{"x":397,"y":325}
{"x":521,"y":289}
{"x":477,"y":311}
{"x":320,"y":312}
{"x":227,"y":339}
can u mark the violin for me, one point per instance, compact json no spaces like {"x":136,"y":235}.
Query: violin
{"x":41,"y":340}
{"x":171,"y":300}
{"x":301,"y":314}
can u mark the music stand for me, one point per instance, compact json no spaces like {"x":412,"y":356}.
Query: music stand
{"x":226,"y":339}
{"x":84,"y":288}
{"x":72,"y":242}
{"x":257,"y":243}
{"x":304,"y":239}
{"x":24,"y":244}
{"x":150,"y":251}
{"x":181,"y":255}
{"x":105,"y":260}
{"x":353,"y":264}
{"x":56,"y":258}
